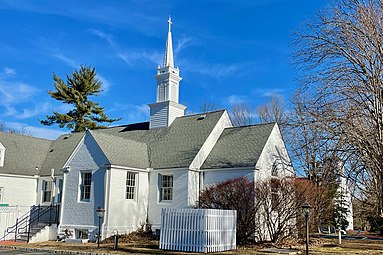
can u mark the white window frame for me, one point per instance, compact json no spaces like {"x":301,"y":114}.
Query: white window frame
{"x":166,"y":187}
{"x":2,"y":155}
{"x":83,"y":187}
{"x":59,"y":189}
{"x":131,"y":186}
{"x":1,"y":195}
{"x":46,"y":189}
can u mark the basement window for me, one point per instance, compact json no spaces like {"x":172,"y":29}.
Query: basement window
{"x":82,"y":234}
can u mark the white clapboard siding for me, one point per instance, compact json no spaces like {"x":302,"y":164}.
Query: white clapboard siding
{"x":198,"y":230}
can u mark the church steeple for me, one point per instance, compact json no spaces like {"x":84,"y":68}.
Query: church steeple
{"x":167,"y":108}
{"x":169,"y":59}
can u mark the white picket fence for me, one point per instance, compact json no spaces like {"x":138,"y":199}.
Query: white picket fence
{"x":198,"y":230}
{"x":8,"y":216}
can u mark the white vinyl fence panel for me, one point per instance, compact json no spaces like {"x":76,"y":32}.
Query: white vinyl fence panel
{"x":8,"y":216}
{"x":198,"y":230}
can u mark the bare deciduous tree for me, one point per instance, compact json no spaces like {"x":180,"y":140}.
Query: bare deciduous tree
{"x":278,"y":209}
{"x":6,"y":128}
{"x":208,"y":106}
{"x":242,"y":115}
{"x":273,"y":111}
{"x":234,"y":194}
{"x":342,"y":56}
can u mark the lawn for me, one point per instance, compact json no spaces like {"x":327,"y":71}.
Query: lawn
{"x":146,"y":246}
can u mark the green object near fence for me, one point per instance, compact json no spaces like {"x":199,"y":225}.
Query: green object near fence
{"x":4,"y":205}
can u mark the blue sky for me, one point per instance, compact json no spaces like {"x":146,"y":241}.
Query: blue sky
{"x":227,"y":51}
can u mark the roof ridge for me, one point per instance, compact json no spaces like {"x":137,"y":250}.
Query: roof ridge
{"x":254,"y":125}
{"x":194,"y":114}
{"x":25,"y":135}
{"x":122,"y":125}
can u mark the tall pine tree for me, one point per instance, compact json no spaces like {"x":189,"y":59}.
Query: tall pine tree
{"x":77,"y":91}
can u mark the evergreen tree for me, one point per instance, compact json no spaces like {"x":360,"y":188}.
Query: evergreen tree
{"x":341,"y":210}
{"x":86,"y":114}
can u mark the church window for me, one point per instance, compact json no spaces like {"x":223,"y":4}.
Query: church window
{"x":47,"y":191}
{"x":85,"y":186}
{"x":275,"y":198}
{"x":166,"y":188}
{"x":274,"y":169}
{"x":131,"y":181}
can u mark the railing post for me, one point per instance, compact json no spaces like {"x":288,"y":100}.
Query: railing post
{"x":17,"y":222}
{"x":38,"y":214}
{"x":29,"y":228}
{"x":50,"y":215}
{"x":57,"y":214}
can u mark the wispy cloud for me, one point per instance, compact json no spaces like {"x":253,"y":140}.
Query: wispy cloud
{"x":104,"y":36}
{"x":129,"y":56}
{"x":9,"y":71}
{"x":214,"y":70}
{"x":16,"y":94}
{"x":235,"y":99}
{"x":131,"y":113}
{"x":105,"y":83}
{"x":122,"y":14}
{"x":29,"y":113}
{"x":132,"y":57}
{"x":75,"y":64}
{"x":67,"y":60}
{"x":268,"y":92}
{"x":41,"y":132}
{"x":182,"y":44}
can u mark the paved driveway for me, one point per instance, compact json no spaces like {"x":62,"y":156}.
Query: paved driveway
{"x":19,"y":252}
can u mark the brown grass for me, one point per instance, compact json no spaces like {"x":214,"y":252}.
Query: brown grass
{"x":136,"y":244}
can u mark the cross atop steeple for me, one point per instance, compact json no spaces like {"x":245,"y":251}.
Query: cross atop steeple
{"x":169,"y":60}
{"x":170,"y":23}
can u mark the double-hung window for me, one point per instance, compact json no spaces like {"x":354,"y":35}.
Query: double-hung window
{"x":47,"y":191}
{"x":131,"y":181}
{"x":166,"y":188}
{"x":85,"y":186}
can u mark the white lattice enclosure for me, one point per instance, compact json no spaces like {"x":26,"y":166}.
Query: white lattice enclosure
{"x":198,"y":230}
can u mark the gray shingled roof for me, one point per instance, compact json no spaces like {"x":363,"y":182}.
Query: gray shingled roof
{"x":137,"y":146}
{"x":23,"y":153}
{"x":121,"y":151}
{"x":59,"y":152}
{"x":239,"y":147}
{"x":173,"y":147}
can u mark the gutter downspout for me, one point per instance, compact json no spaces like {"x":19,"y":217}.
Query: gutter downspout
{"x":106,"y":201}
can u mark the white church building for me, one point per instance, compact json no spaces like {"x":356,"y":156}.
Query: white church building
{"x":134,"y":170}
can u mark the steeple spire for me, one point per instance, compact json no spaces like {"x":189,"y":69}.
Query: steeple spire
{"x":169,"y":60}
{"x":166,"y":108}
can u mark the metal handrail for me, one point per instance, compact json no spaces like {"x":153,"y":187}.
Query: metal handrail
{"x":23,"y":223}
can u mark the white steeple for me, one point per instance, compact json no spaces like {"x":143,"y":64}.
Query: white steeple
{"x":169,"y":59}
{"x":167,"y":108}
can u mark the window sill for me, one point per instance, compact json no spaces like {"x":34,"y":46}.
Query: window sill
{"x":166,"y":202}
